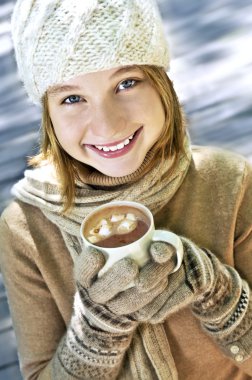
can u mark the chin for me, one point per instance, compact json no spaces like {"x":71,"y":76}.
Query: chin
{"x":119,"y":167}
{"x":120,"y":172}
{"x":116,"y":173}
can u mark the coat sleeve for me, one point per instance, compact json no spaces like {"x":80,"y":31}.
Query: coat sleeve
{"x":48,"y":347}
{"x":235,"y":338}
{"x":36,"y":319}
{"x":243,"y":264}
{"x":243,"y":231}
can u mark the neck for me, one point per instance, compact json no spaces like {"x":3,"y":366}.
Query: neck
{"x":94,"y":177}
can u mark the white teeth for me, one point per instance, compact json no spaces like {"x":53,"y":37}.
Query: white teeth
{"x":115,"y":147}
{"x":120,"y":146}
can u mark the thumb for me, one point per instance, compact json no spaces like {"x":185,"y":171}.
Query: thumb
{"x":114,"y":281}
{"x":162,"y":252}
{"x":87,"y":265}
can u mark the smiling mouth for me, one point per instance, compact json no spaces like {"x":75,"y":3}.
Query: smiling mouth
{"x":113,"y":148}
{"x":118,"y":149}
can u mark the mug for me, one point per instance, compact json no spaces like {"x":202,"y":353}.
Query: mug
{"x":126,"y":215}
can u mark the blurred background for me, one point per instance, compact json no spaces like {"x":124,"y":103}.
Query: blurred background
{"x":210,"y":43}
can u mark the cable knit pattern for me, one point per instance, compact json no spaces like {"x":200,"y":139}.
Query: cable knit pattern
{"x":57,"y":40}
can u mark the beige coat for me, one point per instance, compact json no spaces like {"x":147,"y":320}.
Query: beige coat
{"x":212,"y":207}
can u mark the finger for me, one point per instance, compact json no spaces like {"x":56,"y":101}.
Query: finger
{"x":115,"y":280}
{"x":176,"y":295}
{"x":87,"y":265}
{"x":152,"y":273}
{"x":161,"y":252}
{"x":132,"y":299}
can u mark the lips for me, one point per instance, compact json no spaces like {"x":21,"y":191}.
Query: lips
{"x":116,"y":149}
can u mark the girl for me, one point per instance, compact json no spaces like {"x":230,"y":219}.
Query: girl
{"x":113,"y":129}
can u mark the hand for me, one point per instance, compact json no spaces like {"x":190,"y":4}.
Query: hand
{"x":108,"y":290}
{"x":86,"y":267}
{"x":201,"y":281}
{"x":219,"y":298}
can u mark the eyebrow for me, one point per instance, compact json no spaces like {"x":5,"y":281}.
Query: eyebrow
{"x":123,"y":70}
{"x":54,"y":90}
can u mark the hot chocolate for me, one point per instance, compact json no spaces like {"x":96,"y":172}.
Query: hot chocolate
{"x":116,"y":226}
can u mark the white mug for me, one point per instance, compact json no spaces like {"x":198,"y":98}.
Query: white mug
{"x":139,"y":249}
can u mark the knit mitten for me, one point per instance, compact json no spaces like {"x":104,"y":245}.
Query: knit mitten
{"x":200,"y":274}
{"x":111,"y":291}
{"x":202,"y":281}
{"x":217,"y":295}
{"x":96,"y":339}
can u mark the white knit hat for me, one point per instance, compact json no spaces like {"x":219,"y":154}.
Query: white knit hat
{"x":55,"y":40}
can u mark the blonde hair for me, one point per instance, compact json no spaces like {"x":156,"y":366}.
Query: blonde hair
{"x":170,"y":144}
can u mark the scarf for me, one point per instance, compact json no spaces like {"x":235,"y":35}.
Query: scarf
{"x":40,"y":188}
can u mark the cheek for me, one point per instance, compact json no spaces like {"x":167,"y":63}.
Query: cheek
{"x":153,"y":107}
{"x":65,"y":130}
{"x":59,"y":130}
{"x":155,"y":112}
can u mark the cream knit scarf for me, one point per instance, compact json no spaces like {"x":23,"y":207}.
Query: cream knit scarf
{"x":40,"y":188}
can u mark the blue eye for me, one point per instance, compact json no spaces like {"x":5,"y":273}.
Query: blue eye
{"x":72,"y":99}
{"x":126,"y":84}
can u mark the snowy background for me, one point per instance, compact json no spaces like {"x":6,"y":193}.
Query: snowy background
{"x":210,"y":44}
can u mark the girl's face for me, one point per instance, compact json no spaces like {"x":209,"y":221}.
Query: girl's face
{"x":108,"y":119}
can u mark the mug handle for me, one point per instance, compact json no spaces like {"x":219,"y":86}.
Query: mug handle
{"x":173,"y":239}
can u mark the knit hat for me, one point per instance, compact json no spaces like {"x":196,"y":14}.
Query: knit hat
{"x":55,"y":40}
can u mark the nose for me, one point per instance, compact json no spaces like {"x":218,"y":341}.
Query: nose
{"x":106,"y":120}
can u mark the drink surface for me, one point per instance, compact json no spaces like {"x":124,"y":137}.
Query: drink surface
{"x":116,"y":226}
{"x":119,"y":240}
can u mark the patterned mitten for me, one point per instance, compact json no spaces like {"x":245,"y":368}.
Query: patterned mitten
{"x":96,"y":339}
{"x":201,"y":280}
{"x":113,"y":282}
{"x":109,"y":289}
{"x":216,"y":293}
